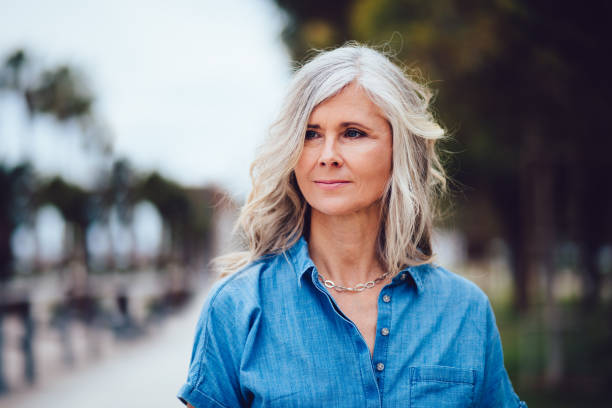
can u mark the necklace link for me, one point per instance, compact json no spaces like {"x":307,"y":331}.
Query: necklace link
{"x":360,"y":287}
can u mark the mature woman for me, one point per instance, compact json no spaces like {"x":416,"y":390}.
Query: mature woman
{"x":336,"y":302}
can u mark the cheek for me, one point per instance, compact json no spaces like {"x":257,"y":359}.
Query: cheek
{"x":380,"y":180}
{"x":386,"y":166}
{"x":305,"y":163}
{"x":377,"y":172}
{"x":301,"y":171}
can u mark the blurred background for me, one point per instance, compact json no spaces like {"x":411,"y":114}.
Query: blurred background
{"x":126,"y":133}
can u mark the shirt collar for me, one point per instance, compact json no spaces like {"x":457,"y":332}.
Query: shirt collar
{"x":301,"y":263}
{"x":417,"y":273}
{"x":299,"y":258}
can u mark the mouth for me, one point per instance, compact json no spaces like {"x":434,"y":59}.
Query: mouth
{"x":331,"y":184}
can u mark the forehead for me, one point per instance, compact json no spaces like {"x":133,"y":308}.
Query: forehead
{"x":352,"y":102}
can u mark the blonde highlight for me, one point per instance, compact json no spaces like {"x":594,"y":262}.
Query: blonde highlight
{"x":275,"y":213}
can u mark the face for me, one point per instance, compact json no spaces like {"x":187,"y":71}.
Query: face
{"x":346,"y":160}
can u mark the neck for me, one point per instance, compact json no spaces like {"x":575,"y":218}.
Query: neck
{"x":344,"y":247}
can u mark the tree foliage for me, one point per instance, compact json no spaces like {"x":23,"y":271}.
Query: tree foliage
{"x":523,"y":89}
{"x":63,"y":93}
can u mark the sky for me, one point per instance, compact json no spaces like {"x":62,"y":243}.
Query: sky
{"x":186,"y":87}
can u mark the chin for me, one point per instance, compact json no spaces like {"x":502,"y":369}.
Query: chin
{"x":334,"y":212}
{"x":338,"y":209}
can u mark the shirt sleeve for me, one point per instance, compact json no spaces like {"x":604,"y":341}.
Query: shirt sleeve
{"x":497,"y":389}
{"x":213,"y":380}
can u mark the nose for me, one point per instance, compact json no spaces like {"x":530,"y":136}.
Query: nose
{"x":330,"y":156}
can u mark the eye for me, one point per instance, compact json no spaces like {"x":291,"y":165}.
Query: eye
{"x":353,"y":133}
{"x":311,"y":134}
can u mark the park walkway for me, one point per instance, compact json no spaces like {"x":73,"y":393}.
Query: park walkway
{"x":144,"y":373}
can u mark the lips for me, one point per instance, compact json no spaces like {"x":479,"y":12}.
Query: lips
{"x":331,"y":184}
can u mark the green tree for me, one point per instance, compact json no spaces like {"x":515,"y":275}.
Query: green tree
{"x":73,"y":203}
{"x":523,"y":95}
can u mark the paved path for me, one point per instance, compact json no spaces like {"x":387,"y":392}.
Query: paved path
{"x":146,"y":373}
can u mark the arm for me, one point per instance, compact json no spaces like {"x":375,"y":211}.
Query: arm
{"x":497,"y":389}
{"x":217,"y":350}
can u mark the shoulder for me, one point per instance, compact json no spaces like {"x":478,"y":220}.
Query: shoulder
{"x":442,"y":278}
{"x":240,"y":293}
{"x":441,"y":281}
{"x":455,"y":300}
{"x":227,"y":325}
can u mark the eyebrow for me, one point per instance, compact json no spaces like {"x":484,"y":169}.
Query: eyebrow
{"x":343,"y":124}
{"x":347,"y":124}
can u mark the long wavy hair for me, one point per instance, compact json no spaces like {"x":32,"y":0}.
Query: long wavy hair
{"x":275,"y":214}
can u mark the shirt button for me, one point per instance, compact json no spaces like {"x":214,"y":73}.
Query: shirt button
{"x":384,"y":331}
{"x":380,"y":366}
{"x":403,"y":276}
{"x":386,"y":298}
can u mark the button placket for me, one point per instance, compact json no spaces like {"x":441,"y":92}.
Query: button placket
{"x":370,"y":384}
{"x":379,"y":359}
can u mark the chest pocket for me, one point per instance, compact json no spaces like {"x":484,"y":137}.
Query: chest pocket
{"x":441,"y":387}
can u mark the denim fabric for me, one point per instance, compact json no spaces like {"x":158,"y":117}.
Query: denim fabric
{"x":272,"y":336}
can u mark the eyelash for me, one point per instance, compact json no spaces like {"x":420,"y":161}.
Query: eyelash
{"x":311,"y":134}
{"x":358,"y":132}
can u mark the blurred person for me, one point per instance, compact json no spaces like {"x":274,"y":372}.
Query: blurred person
{"x":337,"y":301}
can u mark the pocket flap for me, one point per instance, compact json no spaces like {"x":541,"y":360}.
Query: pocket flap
{"x":442,"y":374}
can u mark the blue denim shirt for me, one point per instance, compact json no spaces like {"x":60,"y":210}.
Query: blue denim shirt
{"x":271,"y":335}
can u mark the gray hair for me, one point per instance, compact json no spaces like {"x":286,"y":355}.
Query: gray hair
{"x":273,"y":217}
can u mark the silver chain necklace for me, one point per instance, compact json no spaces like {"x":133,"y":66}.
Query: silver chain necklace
{"x":360,"y":287}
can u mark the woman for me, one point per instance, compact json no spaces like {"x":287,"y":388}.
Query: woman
{"x":336,"y":302}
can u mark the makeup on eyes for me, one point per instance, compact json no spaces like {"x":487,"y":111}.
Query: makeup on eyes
{"x":356,"y":133}
{"x":350,"y":132}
